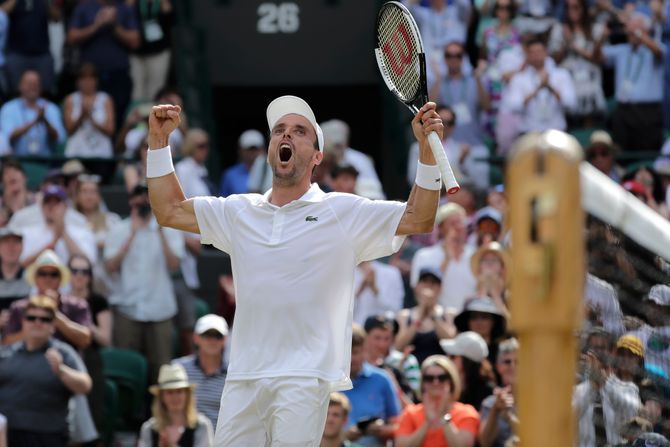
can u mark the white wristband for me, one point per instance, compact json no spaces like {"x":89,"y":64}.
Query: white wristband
{"x":428,"y":176}
{"x":159,"y":162}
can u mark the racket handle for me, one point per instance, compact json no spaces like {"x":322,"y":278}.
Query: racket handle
{"x":448,"y":178}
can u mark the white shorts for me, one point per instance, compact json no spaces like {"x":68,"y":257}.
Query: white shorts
{"x":276,"y":412}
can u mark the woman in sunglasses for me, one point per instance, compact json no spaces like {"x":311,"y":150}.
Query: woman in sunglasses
{"x":440,"y":420}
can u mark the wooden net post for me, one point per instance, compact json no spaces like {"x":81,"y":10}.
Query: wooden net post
{"x":547,"y":281}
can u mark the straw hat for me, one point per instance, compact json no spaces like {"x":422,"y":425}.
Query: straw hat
{"x":48,"y":258}
{"x":171,"y":377}
{"x":491,"y":247}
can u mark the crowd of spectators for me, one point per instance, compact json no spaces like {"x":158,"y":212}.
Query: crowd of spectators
{"x":434,"y":361}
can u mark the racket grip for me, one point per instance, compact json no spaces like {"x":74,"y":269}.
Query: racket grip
{"x":448,"y":178}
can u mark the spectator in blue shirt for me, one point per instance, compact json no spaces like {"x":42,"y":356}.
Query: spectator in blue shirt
{"x":235,"y":179}
{"x":374,"y":404}
{"x":31,"y":124}
{"x":28,"y":40}
{"x":105,"y":31}
{"x":637,"y":123}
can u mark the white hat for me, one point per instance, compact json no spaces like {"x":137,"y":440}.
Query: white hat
{"x":209,"y":322}
{"x":286,"y":105}
{"x":467,"y":344}
{"x":171,"y":377}
{"x":335,"y":132}
{"x":660,"y":294}
{"x":251,"y":138}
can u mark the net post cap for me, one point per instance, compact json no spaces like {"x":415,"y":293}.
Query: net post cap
{"x":289,"y":104}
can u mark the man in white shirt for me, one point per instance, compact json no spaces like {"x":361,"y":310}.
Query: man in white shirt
{"x":53,"y":230}
{"x":451,"y":255}
{"x":293,"y":253}
{"x":541,"y":93}
{"x":144,"y":255}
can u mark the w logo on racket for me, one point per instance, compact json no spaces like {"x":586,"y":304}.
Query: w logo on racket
{"x":399,"y":50}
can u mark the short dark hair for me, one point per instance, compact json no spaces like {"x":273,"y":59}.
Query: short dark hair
{"x":138,"y":190}
{"x":533,"y":39}
{"x":380,"y":322}
{"x":343,"y":169}
{"x":11,"y":163}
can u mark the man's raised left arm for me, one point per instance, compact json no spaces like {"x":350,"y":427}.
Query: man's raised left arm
{"x":419,"y":215}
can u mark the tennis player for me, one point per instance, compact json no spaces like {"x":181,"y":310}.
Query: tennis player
{"x":293,"y":252}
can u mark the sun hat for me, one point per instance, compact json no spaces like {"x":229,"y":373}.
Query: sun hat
{"x":48,"y":258}
{"x":467,"y":344}
{"x":481,"y":305}
{"x":211,"y":322}
{"x":171,"y":377}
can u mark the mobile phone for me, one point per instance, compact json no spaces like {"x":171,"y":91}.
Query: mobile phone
{"x":364,"y":422}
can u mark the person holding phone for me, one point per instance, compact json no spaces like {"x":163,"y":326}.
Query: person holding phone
{"x":144,"y":255}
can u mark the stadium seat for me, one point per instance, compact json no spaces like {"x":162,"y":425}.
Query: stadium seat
{"x":36,"y":172}
{"x":112,"y":411}
{"x":129,"y":370}
{"x":201,"y":308}
{"x":582,"y":135}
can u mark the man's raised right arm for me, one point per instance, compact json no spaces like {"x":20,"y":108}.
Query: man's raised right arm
{"x":168,"y":201}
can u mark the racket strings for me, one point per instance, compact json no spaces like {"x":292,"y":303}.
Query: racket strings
{"x":396,"y":49}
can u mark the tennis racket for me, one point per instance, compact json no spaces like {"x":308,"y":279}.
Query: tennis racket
{"x":402,"y":63}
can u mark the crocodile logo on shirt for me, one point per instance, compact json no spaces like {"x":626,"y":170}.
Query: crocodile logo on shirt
{"x":311,"y":219}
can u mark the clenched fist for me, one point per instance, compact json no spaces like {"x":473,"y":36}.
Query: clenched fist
{"x":163,"y":119}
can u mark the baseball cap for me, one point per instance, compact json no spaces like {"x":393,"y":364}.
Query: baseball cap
{"x":288,"y":104}
{"x":250,"y":139}
{"x":430,"y":271}
{"x":488,"y":212}
{"x":211,"y":322}
{"x":9,"y":231}
{"x":601,"y":137}
{"x":660,"y":294}
{"x":466,"y":344}
{"x":54,"y":191}
{"x":631,"y":343}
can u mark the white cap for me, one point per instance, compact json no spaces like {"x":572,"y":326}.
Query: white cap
{"x":467,"y":344}
{"x":286,"y":105}
{"x":209,"y":322}
{"x":251,"y":138}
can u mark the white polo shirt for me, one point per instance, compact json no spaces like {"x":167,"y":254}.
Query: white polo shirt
{"x":293,"y":268}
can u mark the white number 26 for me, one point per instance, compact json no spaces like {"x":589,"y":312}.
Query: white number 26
{"x":281,"y":18}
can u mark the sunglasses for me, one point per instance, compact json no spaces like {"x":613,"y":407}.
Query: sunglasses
{"x":596,"y":154}
{"x":213,"y":334}
{"x":432,"y":378}
{"x":34,"y":318}
{"x":453,"y":55}
{"x":85,"y":272}
{"x":48,"y":274}
{"x":508,"y":362}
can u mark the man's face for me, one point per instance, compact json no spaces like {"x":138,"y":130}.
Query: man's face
{"x":455,"y":227}
{"x":292,"y":153}
{"x":10,"y":249}
{"x":357,"y":358}
{"x":335,"y":421}
{"x":30,"y":86}
{"x":37,"y":325}
{"x":210,"y":343}
{"x":536,"y":53}
{"x":379,"y":342}
{"x":200,"y":149}
{"x":13,"y":181}
{"x":139,"y":204}
{"x":344,"y":182}
{"x":453,"y":55}
{"x":506,"y":366}
{"x":52,"y":208}
{"x":47,"y":278}
{"x":602,"y":158}
{"x":448,"y":120}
